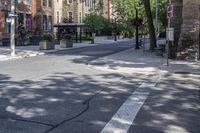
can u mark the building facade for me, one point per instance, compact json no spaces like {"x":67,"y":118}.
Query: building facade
{"x":4,"y":25}
{"x":107,"y":9}
{"x":24,"y":16}
{"x":39,"y":16}
{"x":43,"y":15}
{"x":74,"y":11}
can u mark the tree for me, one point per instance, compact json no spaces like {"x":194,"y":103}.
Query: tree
{"x":150,"y":24}
{"x":94,"y":22}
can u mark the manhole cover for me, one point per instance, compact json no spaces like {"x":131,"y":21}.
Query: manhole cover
{"x":182,"y":72}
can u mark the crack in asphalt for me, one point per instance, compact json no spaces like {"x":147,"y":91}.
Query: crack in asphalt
{"x":85,"y":102}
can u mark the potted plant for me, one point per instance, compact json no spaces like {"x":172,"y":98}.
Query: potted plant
{"x":46,"y":42}
{"x":66,"y":41}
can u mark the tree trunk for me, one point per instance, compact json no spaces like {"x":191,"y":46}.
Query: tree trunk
{"x":150,"y":24}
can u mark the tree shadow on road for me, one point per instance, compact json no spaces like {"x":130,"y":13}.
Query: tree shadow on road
{"x":63,"y":97}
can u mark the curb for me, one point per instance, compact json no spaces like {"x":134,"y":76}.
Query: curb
{"x":53,"y":51}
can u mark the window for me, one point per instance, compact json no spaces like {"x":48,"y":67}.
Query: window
{"x":44,"y":22}
{"x":80,"y":17}
{"x":50,"y":3}
{"x":50,"y":23}
{"x":19,"y":1}
{"x":69,"y":1}
{"x":70,"y":15}
{"x":44,"y":2}
{"x":28,"y":2}
{"x":58,"y":17}
{"x":28,"y":23}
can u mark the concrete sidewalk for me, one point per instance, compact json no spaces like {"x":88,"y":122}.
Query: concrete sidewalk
{"x":173,"y":104}
{"x":31,"y":51}
{"x":136,"y":61}
{"x":130,"y":62}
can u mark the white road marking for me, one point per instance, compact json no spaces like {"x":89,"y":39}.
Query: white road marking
{"x":123,"y":119}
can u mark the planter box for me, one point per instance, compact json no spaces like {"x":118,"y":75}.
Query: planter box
{"x":45,"y":45}
{"x":66,"y":43}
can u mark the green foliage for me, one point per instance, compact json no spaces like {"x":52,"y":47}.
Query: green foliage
{"x":67,"y":37}
{"x":126,"y":10}
{"x":98,"y":24}
{"x":46,"y":37}
{"x":94,"y":22}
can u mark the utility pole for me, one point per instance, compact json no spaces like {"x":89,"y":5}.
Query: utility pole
{"x":12,"y":32}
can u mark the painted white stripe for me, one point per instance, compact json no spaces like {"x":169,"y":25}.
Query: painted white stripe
{"x":123,"y":119}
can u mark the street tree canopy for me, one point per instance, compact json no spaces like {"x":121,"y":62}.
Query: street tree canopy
{"x":94,"y":22}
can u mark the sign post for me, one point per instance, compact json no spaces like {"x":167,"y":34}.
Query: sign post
{"x":170,"y":31}
{"x":12,"y":32}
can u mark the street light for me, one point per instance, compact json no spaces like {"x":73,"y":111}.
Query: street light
{"x":115,"y":29}
{"x":114,"y":17}
{"x":12,"y":32}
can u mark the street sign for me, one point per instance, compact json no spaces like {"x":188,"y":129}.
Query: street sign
{"x":170,"y":34}
{"x":12,"y":15}
{"x":170,"y":10}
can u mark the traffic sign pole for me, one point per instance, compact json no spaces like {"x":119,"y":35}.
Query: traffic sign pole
{"x":169,"y":16}
{"x":168,"y":42}
{"x":12,"y":33}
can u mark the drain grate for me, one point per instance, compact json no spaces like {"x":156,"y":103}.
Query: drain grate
{"x":182,"y":72}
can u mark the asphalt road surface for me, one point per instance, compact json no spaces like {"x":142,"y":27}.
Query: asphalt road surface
{"x":59,"y":93}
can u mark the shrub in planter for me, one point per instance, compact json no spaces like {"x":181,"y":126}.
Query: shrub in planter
{"x":46,"y":43}
{"x":66,"y":41}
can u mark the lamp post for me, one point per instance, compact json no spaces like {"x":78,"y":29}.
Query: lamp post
{"x":12,"y":32}
{"x":115,"y":29}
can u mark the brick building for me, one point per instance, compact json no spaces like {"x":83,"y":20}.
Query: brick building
{"x":22,"y":9}
{"x":42,"y":16}
{"x":4,"y":25}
